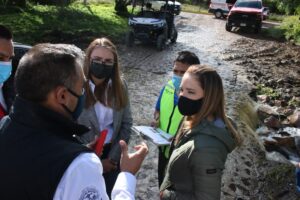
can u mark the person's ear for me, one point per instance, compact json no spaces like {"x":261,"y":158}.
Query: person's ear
{"x":61,"y":95}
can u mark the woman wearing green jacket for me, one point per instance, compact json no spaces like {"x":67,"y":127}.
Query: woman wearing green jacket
{"x":206,"y":137}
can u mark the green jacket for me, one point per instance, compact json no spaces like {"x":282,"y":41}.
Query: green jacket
{"x":195,"y":167}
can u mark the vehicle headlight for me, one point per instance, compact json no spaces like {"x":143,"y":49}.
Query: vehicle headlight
{"x":160,"y":24}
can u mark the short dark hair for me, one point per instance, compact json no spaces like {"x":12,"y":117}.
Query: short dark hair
{"x":45,"y":67}
{"x":5,"y":33}
{"x":187,"y":57}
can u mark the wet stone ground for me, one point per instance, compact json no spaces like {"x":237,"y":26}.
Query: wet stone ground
{"x":147,"y":70}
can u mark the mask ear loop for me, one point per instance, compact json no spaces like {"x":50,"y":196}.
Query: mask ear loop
{"x":89,"y":74}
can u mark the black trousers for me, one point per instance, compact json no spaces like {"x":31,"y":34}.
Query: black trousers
{"x":109,"y":177}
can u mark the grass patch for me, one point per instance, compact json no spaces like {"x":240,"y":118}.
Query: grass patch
{"x":276,"y":17}
{"x":275,"y":32}
{"x":202,"y":9}
{"x":289,"y":29}
{"x":291,"y":26}
{"x":261,"y":89}
{"x":278,"y":175}
{"x":77,"y":24}
{"x":294,"y":102}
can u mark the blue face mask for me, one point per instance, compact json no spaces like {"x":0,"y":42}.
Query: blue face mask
{"x":176,"y":81}
{"x":79,"y":107}
{"x":5,"y":71}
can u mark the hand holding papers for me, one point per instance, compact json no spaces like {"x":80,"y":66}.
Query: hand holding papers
{"x":158,"y":136}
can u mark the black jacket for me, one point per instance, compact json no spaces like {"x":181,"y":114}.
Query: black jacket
{"x":36,"y":147}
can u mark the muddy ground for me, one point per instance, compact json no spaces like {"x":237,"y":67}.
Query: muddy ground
{"x":272,"y":64}
{"x":243,"y":60}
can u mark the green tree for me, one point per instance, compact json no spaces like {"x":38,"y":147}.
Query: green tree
{"x":19,"y":3}
{"x":288,"y":6}
{"x":53,"y":2}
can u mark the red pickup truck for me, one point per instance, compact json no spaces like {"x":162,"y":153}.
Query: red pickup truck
{"x":246,"y":13}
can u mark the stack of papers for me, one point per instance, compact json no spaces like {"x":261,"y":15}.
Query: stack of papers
{"x":157,"y":136}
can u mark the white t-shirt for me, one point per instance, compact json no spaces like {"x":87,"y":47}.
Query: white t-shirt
{"x":104,"y":116}
{"x":83,"y":180}
{"x":105,"y":119}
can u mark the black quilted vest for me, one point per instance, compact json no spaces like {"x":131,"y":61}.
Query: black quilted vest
{"x":36,"y":147}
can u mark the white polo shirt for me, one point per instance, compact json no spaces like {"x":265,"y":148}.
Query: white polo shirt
{"x":83,"y":180}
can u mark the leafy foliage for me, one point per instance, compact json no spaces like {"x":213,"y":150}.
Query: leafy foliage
{"x":21,"y":3}
{"x":288,"y":7}
{"x":291,"y":26}
{"x":261,"y":89}
{"x":77,"y":24}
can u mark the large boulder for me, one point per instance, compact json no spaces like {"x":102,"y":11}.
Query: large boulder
{"x":265,"y":111}
{"x":294,"y":119}
{"x":272,"y":122}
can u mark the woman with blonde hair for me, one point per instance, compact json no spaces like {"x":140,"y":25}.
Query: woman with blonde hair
{"x":206,"y":137}
{"x":107,"y":105}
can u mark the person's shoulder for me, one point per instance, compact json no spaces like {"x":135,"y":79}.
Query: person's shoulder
{"x":204,"y":140}
{"x":84,"y":160}
{"x":210,"y":136}
{"x":167,"y":85}
{"x":206,"y":136}
{"x":83,"y":177}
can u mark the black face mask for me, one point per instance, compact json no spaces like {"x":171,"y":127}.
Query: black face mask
{"x":188,"y":106}
{"x":100,"y":70}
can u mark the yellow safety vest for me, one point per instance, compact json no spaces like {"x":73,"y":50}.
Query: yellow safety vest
{"x":169,"y":115}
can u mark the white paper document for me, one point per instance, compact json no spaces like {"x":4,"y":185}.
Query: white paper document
{"x":157,"y":136}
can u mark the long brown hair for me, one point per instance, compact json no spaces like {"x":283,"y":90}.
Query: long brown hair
{"x":213,"y":100}
{"x":117,"y":96}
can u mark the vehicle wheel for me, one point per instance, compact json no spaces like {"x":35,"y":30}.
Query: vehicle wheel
{"x":174,"y":35}
{"x":228,"y":27}
{"x":161,"y":42}
{"x":218,"y":14}
{"x":257,"y":28}
{"x":129,"y":39}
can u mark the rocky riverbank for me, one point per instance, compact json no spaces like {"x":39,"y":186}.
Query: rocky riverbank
{"x":274,"y":70}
